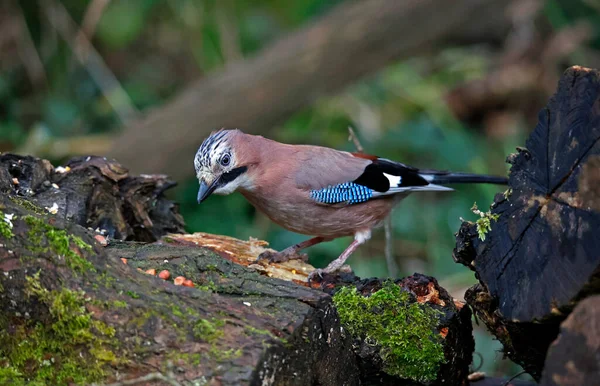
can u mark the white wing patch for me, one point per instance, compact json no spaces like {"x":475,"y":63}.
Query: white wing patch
{"x":396,"y":181}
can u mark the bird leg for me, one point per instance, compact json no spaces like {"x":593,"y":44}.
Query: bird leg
{"x":291,"y":253}
{"x":337,"y":263}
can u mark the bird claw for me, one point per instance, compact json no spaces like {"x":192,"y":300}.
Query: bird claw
{"x":313,"y":275}
{"x":281,"y":257}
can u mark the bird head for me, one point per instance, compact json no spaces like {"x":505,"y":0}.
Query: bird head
{"x":219,"y":168}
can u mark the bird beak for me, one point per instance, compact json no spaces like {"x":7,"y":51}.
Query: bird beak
{"x":206,"y":190}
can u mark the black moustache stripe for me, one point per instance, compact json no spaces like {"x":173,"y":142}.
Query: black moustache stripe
{"x":232,"y":175}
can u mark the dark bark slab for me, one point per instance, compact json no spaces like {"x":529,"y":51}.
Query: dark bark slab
{"x":95,"y":193}
{"x":574,"y":357}
{"x":75,"y":310}
{"x":541,"y":255}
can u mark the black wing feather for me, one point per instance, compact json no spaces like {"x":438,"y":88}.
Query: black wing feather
{"x":373,"y":177}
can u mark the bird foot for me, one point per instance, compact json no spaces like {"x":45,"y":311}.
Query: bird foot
{"x":282,"y":257}
{"x":332,"y":269}
{"x":316,"y":274}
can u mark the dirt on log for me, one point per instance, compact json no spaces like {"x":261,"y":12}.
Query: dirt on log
{"x":541,"y":256}
{"x":88,"y":293}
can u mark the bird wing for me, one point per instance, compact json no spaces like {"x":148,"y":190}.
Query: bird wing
{"x":341,"y":178}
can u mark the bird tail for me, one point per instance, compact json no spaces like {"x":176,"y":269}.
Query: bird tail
{"x":443,"y":178}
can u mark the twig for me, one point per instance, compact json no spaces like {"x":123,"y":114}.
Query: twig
{"x":393,"y":269}
{"x":355,"y":139}
{"x":99,"y":71}
{"x":228,"y":33}
{"x":92,"y":16}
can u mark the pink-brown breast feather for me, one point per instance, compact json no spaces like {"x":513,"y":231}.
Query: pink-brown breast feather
{"x":284,"y":176}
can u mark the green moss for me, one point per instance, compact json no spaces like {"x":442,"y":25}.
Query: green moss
{"x":143,"y":318}
{"x":46,"y":238}
{"x":119,"y":304}
{"x":220,"y":355}
{"x":176,"y":311}
{"x":133,"y":294}
{"x":70,"y":348}
{"x":107,"y":279}
{"x":208,"y":331}
{"x":484,"y":223}
{"x":209,"y":287}
{"x":26,"y":204}
{"x":256,"y":331}
{"x":406,"y":333}
{"x":5,"y":226}
{"x":10,"y":376}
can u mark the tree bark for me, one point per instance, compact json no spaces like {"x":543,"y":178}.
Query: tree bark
{"x":541,"y":256}
{"x":79,"y":305}
{"x":573,"y":357}
{"x":355,"y":39}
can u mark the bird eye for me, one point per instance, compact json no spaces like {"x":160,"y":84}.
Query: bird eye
{"x":225,"y":160}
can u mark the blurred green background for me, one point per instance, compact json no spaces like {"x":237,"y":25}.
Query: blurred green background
{"x":463,"y":108}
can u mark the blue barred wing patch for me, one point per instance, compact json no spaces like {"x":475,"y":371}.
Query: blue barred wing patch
{"x":348,"y":192}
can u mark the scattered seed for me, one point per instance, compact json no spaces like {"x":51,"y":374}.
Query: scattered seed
{"x":247,"y":304}
{"x":102,"y":241}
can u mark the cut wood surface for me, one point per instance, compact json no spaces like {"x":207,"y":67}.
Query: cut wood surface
{"x":96,"y":288}
{"x":541,"y":255}
{"x":256,"y":94}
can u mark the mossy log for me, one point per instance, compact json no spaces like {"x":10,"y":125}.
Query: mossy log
{"x":540,"y":257}
{"x":83,"y":297}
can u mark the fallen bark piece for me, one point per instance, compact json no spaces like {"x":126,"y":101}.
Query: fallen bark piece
{"x":573,"y":357}
{"x":95,"y":193}
{"x":245,"y":253}
{"x":541,"y":255}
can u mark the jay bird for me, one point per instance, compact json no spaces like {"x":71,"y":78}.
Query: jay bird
{"x":314,"y":190}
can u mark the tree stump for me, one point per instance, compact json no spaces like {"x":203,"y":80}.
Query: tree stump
{"x":573,"y":357}
{"x":88,"y":293}
{"x":541,"y":255}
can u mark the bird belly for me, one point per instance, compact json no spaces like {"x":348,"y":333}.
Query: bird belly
{"x":306,"y":217}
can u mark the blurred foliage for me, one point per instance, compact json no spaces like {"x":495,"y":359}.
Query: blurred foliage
{"x":156,"y":48}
